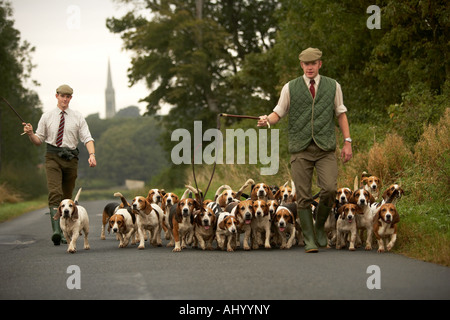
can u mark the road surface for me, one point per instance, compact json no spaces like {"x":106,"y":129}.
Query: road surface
{"x":32,"y":267}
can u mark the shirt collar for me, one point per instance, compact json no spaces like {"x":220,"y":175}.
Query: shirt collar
{"x":316,"y":79}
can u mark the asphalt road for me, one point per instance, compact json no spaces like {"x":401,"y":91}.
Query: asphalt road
{"x":32,"y":267}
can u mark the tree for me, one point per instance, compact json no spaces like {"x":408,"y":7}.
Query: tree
{"x":19,"y":159}
{"x":127,"y":148}
{"x":189,"y":50}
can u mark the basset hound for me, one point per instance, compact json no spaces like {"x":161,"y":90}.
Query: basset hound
{"x":204,"y":227}
{"x":342,"y":197}
{"x":364,"y":221}
{"x":148,"y":217}
{"x":168,"y":200}
{"x":225,"y":195}
{"x":285,"y":224}
{"x":346,"y":224}
{"x":227,"y":229}
{"x":261,"y":224}
{"x":155,"y":196}
{"x":243,"y":211}
{"x":372,"y":184}
{"x":108,"y":211}
{"x":385,"y":226}
{"x":74,"y":219}
{"x":286,"y":193}
{"x":123,"y":223}
{"x":261,"y":191}
{"x":181,"y":219}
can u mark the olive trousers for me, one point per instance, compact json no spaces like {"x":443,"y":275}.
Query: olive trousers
{"x":61,"y":177}
{"x":302,"y":169}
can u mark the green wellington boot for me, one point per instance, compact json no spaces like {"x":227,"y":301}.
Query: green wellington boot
{"x":57,"y":236}
{"x":322,"y":214}
{"x":306,"y":222}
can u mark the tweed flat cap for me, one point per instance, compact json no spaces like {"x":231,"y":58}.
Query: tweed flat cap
{"x":64,"y":89}
{"x":310,"y":54}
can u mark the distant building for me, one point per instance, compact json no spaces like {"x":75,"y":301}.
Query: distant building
{"x":110,"y":96}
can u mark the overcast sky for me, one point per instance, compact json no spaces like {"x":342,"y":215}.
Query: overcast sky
{"x":72,"y":47}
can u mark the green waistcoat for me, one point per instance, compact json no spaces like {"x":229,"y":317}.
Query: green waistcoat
{"x":311,"y":119}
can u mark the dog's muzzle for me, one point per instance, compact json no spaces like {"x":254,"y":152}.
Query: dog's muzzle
{"x":66,"y":214}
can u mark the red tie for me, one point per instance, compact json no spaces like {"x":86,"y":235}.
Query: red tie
{"x":311,"y":88}
{"x":59,"y":138}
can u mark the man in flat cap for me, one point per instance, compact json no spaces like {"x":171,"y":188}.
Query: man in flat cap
{"x":60,"y":128}
{"x":312,"y":101}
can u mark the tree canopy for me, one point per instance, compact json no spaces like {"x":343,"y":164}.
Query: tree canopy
{"x":17,"y":155}
{"x":205,"y":57}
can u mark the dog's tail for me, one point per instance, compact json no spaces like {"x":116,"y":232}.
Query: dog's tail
{"x":77,"y":196}
{"x":124,"y":201}
{"x":219,"y":191}
{"x":249,"y":182}
{"x":198,"y":193}
{"x":355,"y":184}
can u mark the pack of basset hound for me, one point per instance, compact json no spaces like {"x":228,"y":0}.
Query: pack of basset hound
{"x":264,"y":218}
{"x":364,"y":213}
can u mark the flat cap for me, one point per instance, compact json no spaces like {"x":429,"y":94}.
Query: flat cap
{"x":310,"y":54}
{"x":64,"y":89}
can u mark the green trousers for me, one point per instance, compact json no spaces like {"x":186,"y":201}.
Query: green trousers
{"x":61,"y":177}
{"x":302,"y":168}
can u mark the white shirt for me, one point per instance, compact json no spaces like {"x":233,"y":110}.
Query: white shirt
{"x":75,"y":127}
{"x":282,"y":108}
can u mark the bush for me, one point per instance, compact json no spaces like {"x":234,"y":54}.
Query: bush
{"x":419,"y":107}
{"x":431,"y":172}
{"x":389,"y":159}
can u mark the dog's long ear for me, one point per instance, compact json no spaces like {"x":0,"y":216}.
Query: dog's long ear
{"x":221,"y":225}
{"x":341,"y":212}
{"x":396,"y":218}
{"x":352,"y":198}
{"x":270,"y":195}
{"x":291,"y":216}
{"x":75,"y":212}
{"x":277,"y":195}
{"x":58,"y":213}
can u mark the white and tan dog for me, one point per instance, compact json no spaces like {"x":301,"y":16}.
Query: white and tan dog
{"x":181,"y":223}
{"x":261,"y":191}
{"x":169,"y":199}
{"x":155,"y":196}
{"x":204,"y":227}
{"x":286,"y":194}
{"x":372,"y":184}
{"x":148,"y":217}
{"x":285,"y":225}
{"x":385,"y":226}
{"x":346,"y":224}
{"x":123,"y":223}
{"x":73,"y":220}
{"x":227,"y":229}
{"x":261,"y":224}
{"x":225,"y":195}
{"x":243,"y":211}
{"x":342,"y":197}
{"x":364,"y":221}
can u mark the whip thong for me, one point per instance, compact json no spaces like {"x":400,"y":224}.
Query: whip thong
{"x":17,"y":114}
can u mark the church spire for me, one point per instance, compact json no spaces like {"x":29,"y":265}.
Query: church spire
{"x":110,"y":98}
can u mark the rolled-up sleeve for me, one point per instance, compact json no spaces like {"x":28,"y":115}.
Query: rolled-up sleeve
{"x":282,"y":107}
{"x":339,"y":106}
{"x":84,"y":133}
